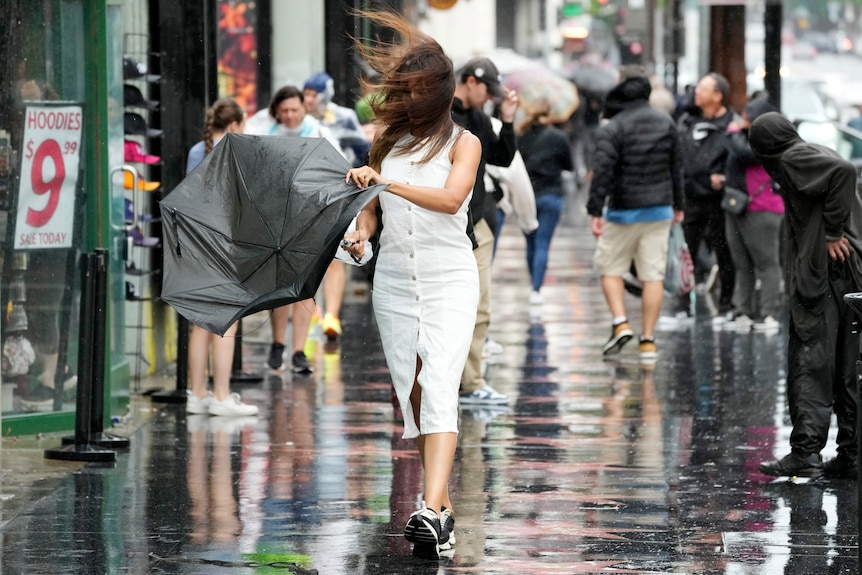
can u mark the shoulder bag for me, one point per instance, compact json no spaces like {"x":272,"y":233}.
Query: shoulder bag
{"x":735,"y":201}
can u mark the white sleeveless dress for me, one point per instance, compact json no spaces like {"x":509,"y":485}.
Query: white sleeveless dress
{"x":426,"y":291}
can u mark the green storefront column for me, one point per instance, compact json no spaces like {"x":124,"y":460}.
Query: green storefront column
{"x":97,"y":32}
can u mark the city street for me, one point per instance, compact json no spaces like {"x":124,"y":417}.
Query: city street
{"x":595,"y":466}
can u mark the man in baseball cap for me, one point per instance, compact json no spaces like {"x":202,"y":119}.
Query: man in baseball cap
{"x":479,"y":81}
{"x":484,"y":71}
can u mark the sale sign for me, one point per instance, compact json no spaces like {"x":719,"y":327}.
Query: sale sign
{"x":49,"y":177}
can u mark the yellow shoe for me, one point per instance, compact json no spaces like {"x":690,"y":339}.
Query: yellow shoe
{"x":331,"y":327}
{"x":648,"y":352}
{"x":310,"y":349}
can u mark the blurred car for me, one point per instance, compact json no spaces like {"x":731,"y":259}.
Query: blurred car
{"x":802,"y":50}
{"x":843,"y":139}
{"x":806,"y":100}
{"x":822,"y":41}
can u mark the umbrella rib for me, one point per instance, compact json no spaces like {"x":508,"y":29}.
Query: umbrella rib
{"x":251,"y":201}
{"x":255,"y":270}
{"x":296,"y":170}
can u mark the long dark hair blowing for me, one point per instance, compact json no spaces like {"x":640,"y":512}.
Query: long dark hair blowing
{"x":416,"y":87}
{"x":219,"y":116}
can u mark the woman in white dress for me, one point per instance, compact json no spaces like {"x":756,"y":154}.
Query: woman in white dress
{"x":426,"y":285}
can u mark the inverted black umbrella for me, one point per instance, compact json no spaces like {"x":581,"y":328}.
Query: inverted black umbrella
{"x":254,"y":226}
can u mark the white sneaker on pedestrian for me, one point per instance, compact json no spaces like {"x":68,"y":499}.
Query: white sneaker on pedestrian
{"x":536,"y":298}
{"x":492,"y":347}
{"x":768,"y":323}
{"x":197,"y":405}
{"x":741,"y":323}
{"x":486,"y":394}
{"x":680,"y":321}
{"x":231,"y":405}
{"x":721,"y":319}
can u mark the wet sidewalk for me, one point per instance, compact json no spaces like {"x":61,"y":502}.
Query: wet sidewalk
{"x":595,"y":466}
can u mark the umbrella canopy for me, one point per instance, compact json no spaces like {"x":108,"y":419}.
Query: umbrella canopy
{"x":254,"y":226}
{"x":594,"y":82}
{"x":538,"y":85}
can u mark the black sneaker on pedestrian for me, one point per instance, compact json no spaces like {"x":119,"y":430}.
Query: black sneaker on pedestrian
{"x":794,"y":465}
{"x":300,"y":363}
{"x":841,"y":467}
{"x":424,"y":531}
{"x":276,"y":351}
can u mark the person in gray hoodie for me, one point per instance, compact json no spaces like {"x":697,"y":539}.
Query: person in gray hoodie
{"x":824,"y":261}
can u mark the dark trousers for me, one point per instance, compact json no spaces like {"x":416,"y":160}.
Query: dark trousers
{"x":704,"y":220}
{"x":754,"y":244}
{"x":821,"y":373}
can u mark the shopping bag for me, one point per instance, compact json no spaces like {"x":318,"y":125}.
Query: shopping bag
{"x":679,"y":275}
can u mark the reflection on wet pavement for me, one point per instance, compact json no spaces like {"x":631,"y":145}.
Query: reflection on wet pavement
{"x":595,"y":467}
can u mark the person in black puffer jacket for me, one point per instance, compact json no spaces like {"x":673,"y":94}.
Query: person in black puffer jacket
{"x":638,"y":173}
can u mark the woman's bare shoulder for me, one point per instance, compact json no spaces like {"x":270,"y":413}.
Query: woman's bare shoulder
{"x":468,"y":140}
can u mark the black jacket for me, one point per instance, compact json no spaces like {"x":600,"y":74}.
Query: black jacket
{"x":704,"y":152}
{"x":496,"y":150}
{"x":637,"y":163}
{"x":740,"y":157}
{"x":547,"y":153}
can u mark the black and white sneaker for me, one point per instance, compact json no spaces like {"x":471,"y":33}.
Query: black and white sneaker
{"x":447,"y":531}
{"x":425,"y":532}
{"x":301,"y":364}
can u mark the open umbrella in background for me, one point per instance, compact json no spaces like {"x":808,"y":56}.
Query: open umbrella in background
{"x":537,"y":84}
{"x":254,"y":226}
{"x":594,"y":82}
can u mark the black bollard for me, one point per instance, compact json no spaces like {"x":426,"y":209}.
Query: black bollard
{"x":178,"y":395}
{"x":97,"y":400}
{"x":81,"y":449}
{"x":237,"y":374}
{"x":854,"y":302}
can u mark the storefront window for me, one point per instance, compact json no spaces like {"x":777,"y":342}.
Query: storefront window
{"x":237,"y":52}
{"x":41,"y":201}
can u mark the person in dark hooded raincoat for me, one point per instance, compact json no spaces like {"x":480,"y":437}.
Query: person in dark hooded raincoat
{"x":824,"y":261}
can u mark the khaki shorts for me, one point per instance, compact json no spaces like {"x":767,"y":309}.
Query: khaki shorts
{"x":643,"y":243}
